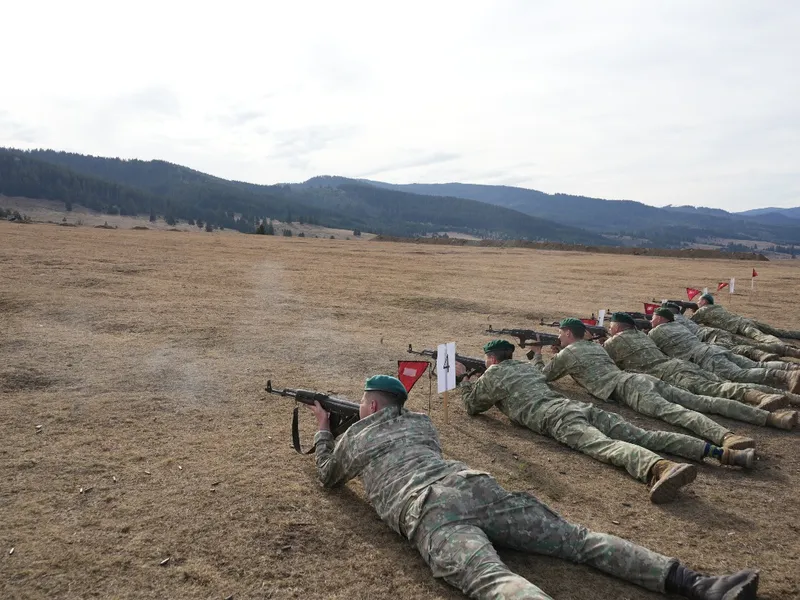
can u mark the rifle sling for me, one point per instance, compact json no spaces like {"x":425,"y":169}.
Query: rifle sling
{"x":296,"y":433}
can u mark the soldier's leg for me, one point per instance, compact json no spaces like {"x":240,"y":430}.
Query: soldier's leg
{"x":754,"y":354}
{"x":463,"y":556}
{"x":724,"y":406}
{"x":754,"y":333}
{"x":525,"y":524}
{"x":775,"y":331}
{"x":614,"y":426}
{"x":577,"y":430}
{"x":722,"y":366}
{"x":747,"y":363}
{"x":641,"y":394}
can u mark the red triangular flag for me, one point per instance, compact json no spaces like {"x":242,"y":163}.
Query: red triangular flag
{"x":409,"y":371}
{"x":754,"y":273}
{"x":722,"y":284}
{"x":589,"y":321}
{"x":649,"y":308}
{"x":692,"y":292}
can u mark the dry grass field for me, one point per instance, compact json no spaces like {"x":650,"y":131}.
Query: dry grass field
{"x":135,"y":427}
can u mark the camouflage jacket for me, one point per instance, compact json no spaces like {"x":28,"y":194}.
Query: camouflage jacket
{"x":675,"y":340}
{"x":633,"y":350}
{"x":714,"y":315}
{"x":519,"y":390}
{"x":588,"y":364}
{"x":687,"y":322}
{"x":396,"y":453}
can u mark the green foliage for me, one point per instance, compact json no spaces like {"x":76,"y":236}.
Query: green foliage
{"x":209,"y":227}
{"x":356,"y":233}
{"x":301,"y":234}
{"x":287,"y":233}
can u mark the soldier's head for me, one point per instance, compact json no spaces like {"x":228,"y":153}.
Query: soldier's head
{"x":673,"y":307}
{"x":705,"y":299}
{"x":381,"y":391}
{"x":662,"y":315}
{"x":570,"y":330}
{"x":497,"y":351}
{"x":621,"y":322}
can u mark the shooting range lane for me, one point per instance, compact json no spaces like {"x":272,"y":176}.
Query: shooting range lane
{"x":143,"y":356}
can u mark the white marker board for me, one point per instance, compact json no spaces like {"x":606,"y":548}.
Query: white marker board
{"x":446,"y":367}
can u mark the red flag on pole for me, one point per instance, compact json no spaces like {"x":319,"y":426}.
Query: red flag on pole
{"x":649,"y":308}
{"x":754,"y":273}
{"x":722,"y":284}
{"x":589,"y":321}
{"x":409,"y":371}
{"x":692,"y":292}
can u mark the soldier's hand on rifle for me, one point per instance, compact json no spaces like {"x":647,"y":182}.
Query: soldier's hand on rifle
{"x":323,"y":416}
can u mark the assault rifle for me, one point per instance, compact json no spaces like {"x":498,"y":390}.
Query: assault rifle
{"x":642,"y":320}
{"x":343,"y":412}
{"x":473,"y":365}
{"x":527,"y":337}
{"x":598,"y":332}
{"x":683,"y":304}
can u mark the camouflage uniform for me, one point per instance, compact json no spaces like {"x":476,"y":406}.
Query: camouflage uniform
{"x":521,"y":393}
{"x":714,"y":315}
{"x":673,"y":339}
{"x":592,"y":368}
{"x":743,"y":346}
{"x":737,"y":344}
{"x":634,"y":351}
{"x":454,"y":515}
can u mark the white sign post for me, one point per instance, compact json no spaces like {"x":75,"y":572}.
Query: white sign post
{"x":705,"y":290}
{"x":730,"y":285}
{"x":601,"y":316}
{"x":446,"y":371}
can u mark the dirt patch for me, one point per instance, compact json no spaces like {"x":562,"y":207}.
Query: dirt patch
{"x":16,"y":379}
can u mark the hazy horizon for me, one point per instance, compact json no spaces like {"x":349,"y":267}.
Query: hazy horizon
{"x":677,"y":103}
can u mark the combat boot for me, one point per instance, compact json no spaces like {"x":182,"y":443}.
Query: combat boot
{"x":689,"y":584}
{"x":768,"y":402}
{"x":667,"y":478}
{"x":789,"y":379}
{"x":786,"y":419}
{"x":737,"y":442}
{"x":738,"y":458}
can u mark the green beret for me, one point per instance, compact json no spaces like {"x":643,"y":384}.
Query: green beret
{"x":664,"y":312}
{"x":576,"y":326}
{"x":386,"y":383}
{"x":620,"y":317}
{"x":672,"y":306}
{"x":498,"y":346}
{"x":708,"y":298}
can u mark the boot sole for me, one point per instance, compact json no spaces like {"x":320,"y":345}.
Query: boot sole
{"x":774,"y":403}
{"x":745,"y":590}
{"x":741,"y":445}
{"x":666,"y":489}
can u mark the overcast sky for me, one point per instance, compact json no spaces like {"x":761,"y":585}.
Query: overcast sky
{"x":677,"y":101}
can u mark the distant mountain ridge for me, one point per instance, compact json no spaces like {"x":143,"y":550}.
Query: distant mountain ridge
{"x":406,"y":210}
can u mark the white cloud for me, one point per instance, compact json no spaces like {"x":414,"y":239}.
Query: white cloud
{"x":679,"y":102}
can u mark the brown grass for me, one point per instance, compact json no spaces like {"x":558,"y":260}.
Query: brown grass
{"x":143,"y":356}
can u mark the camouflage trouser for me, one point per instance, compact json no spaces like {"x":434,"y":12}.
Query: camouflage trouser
{"x":754,"y":333}
{"x":457,"y":522}
{"x":654,"y":398}
{"x":743,"y":345}
{"x":778,"y":333}
{"x":747,"y":363}
{"x":721,"y":365}
{"x":607,"y":437}
{"x":713,"y":397}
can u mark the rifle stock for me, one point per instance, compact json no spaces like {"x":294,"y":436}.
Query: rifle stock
{"x":343,"y":413}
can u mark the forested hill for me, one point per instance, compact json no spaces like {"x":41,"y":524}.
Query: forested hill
{"x":143,"y":187}
{"x":666,"y":227}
